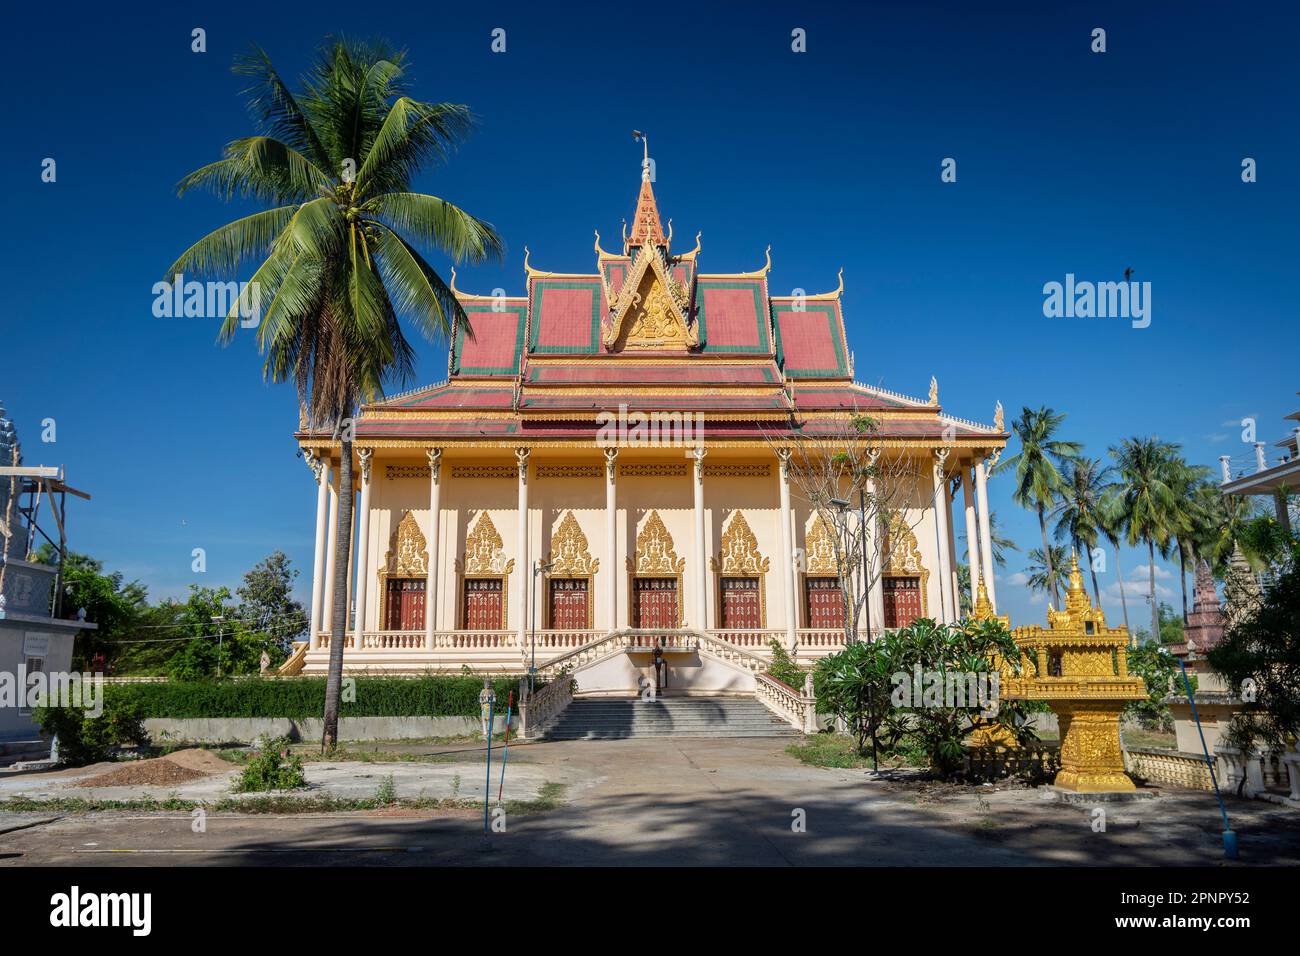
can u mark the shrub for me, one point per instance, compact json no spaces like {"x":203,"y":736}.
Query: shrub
{"x":299,"y":697}
{"x":783,"y":667}
{"x":84,"y":739}
{"x":273,"y":768}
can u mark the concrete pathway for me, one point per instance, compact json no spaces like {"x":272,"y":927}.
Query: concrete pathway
{"x":680,"y":802}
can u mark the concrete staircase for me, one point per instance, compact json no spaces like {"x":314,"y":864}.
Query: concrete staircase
{"x":615,"y":718}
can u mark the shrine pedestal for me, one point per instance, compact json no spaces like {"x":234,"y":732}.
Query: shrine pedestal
{"x":1092,"y":760}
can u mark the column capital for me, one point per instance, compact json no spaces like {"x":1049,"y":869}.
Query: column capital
{"x":990,"y":459}
{"x":783,"y":456}
{"x":941,"y":460}
{"x":698,"y":454}
{"x":611,"y":461}
{"x":521,"y":456}
{"x":365,"y":454}
{"x":314,"y":462}
{"x":435,"y":463}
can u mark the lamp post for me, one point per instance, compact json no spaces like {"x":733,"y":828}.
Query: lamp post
{"x":219,"y":620}
{"x":539,"y":568}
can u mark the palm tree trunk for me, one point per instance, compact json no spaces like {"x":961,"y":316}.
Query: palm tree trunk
{"x":339,"y":608}
{"x":1155,"y":604}
{"x":1182,"y":577}
{"x":1047,"y":558}
{"x":1123,"y":599}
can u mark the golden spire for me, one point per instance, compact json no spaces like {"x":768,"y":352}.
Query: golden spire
{"x":1076,"y":598}
{"x":647,"y":228}
{"x":983,"y":606}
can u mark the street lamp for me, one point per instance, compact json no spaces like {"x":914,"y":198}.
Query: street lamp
{"x":219,"y":620}
{"x":539,"y":568}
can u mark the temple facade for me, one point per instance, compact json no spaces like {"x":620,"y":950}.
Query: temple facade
{"x":612,"y":454}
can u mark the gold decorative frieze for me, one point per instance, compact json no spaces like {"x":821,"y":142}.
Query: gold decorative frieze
{"x":395,"y":472}
{"x":737,"y":470}
{"x":653,"y":470}
{"x":569,"y":556}
{"x":654,"y":550}
{"x":484,"y":553}
{"x":569,"y":471}
{"x":481,"y":472}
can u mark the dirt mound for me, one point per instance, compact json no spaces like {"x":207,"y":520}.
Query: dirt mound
{"x":159,"y":772}
{"x":196,"y":758}
{"x":179,"y":767}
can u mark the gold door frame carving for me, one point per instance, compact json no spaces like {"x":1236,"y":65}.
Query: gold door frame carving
{"x":484,"y":557}
{"x":739,"y":557}
{"x":569,"y":558}
{"x":407,"y":557}
{"x":903,"y":558}
{"x":655,"y":558}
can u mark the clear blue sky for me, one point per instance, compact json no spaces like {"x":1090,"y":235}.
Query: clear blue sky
{"x":1068,"y":161}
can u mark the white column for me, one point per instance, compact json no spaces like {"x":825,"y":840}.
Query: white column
{"x":787,"y":551}
{"x":321,"y":469}
{"x":525,"y":562}
{"x":362,"y":585}
{"x":986,"y":539}
{"x":698,"y":572}
{"x":942,"y":509}
{"x":611,"y":537}
{"x":876,"y":591}
{"x":972,"y":537}
{"x":331,"y":546}
{"x":434,"y":543}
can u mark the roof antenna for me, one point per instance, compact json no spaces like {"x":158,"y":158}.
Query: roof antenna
{"x":644,"y":140}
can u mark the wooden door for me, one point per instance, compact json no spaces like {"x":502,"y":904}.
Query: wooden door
{"x":482,"y":607}
{"x":568,"y":608}
{"x":741,"y":607}
{"x":654,"y":602}
{"x":405,"y":604}
{"x":902,"y":601}
{"x":824,"y":603}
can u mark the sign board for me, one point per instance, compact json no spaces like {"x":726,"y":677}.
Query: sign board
{"x":36,"y":645}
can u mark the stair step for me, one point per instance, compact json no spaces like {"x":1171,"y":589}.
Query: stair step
{"x":617,"y":718}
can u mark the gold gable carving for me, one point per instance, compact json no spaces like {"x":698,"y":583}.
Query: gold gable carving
{"x":654,"y":549}
{"x":650,"y":312}
{"x":819,"y":547}
{"x":903,"y":554}
{"x":569,"y":555}
{"x":483,"y":549}
{"x":740,"y":554}
{"x":407,"y":557}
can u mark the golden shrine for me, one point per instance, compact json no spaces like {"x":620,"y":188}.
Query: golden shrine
{"x":1080,"y":668}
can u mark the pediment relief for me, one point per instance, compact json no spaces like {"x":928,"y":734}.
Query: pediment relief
{"x":651,"y":310}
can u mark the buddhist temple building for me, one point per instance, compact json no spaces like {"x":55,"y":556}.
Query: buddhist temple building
{"x":611,"y":453}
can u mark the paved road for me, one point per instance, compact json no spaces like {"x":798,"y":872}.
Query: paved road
{"x":687,"y":801}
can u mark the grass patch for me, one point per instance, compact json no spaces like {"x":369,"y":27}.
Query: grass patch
{"x":837,"y":751}
{"x":549,"y":797}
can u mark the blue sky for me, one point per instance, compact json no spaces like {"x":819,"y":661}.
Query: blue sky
{"x":1067,"y":162}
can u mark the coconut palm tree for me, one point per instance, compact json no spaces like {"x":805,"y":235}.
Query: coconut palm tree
{"x":1079,"y":513}
{"x":336,"y":262}
{"x":1038,"y":467}
{"x":1111,"y":514}
{"x":1048,"y":573}
{"x":1188,"y":517}
{"x":1147,"y":501}
{"x":1000,"y":545}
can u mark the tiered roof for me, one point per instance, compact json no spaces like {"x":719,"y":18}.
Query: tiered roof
{"x":649,"y":330}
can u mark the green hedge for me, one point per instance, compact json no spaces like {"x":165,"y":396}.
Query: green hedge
{"x":305,"y":697}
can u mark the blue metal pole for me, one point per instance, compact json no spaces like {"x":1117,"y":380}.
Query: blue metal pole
{"x":505,"y":754}
{"x":1229,"y":838}
{"x":487,"y":786}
